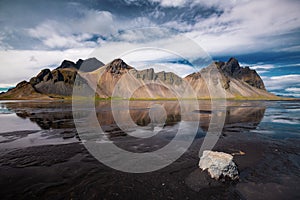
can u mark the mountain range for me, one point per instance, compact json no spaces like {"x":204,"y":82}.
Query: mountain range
{"x":118,"y":79}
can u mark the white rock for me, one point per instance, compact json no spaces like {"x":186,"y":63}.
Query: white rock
{"x":219,"y":165}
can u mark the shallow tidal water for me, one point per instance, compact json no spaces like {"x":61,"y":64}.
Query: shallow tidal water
{"x":42,"y":156}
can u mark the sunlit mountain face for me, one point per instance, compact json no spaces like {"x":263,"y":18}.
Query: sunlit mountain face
{"x":261,"y":34}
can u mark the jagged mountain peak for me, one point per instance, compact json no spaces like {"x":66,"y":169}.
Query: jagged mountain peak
{"x":117,"y":66}
{"x":233,"y":61}
{"x":67,"y":64}
{"x":231,"y":66}
{"x":231,"y":69}
{"x":86,"y":65}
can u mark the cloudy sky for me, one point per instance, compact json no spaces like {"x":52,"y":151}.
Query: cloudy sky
{"x":35,"y":34}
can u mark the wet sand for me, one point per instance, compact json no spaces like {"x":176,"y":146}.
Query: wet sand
{"x":269,"y":169}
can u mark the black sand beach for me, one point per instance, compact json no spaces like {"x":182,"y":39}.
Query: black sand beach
{"x":64,"y":169}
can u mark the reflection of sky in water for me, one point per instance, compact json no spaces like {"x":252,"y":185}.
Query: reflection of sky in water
{"x":4,"y":110}
{"x":11,"y":122}
{"x":281,"y":120}
{"x":39,"y":138}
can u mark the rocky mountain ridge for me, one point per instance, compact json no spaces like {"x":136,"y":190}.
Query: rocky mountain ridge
{"x":121,"y":80}
{"x":232,"y":68}
{"x":237,"y":81}
{"x":57,"y":83}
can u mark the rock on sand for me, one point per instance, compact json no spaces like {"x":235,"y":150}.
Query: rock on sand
{"x":219,"y":165}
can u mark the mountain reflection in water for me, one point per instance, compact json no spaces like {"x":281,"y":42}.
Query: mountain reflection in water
{"x":58,"y":115}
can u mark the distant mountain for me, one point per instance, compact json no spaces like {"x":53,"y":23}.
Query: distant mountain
{"x":121,"y":80}
{"x":56,"y":83}
{"x":238,"y":82}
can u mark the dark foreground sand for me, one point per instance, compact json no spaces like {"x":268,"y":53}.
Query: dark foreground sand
{"x":268,"y":170}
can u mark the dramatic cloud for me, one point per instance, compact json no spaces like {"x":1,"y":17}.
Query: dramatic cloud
{"x":29,"y":63}
{"x":74,"y":33}
{"x":223,"y":27}
{"x":65,"y":29}
{"x":296,"y":90}
{"x":171,"y":3}
{"x":248,"y":27}
{"x":52,"y":39}
{"x":137,"y":47}
{"x":260,"y":67}
{"x":282,"y":82}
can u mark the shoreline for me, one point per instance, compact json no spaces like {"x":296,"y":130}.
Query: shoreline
{"x":65,"y":99}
